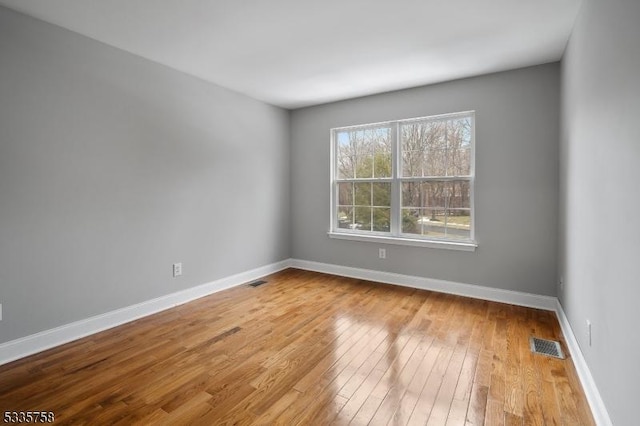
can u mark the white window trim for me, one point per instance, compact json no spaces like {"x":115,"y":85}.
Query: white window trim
{"x":398,"y":238}
{"x":414,"y":242}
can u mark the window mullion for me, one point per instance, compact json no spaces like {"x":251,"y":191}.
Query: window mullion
{"x":333,"y":191}
{"x":396,"y":214}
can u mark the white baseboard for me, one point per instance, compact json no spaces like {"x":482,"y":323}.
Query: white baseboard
{"x":598,"y":409}
{"x":29,"y":345}
{"x":469,"y":290}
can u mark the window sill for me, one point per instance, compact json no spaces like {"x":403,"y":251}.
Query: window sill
{"x":447,"y":245}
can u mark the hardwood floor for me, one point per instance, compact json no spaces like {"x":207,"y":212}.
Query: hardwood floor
{"x":309,"y":348}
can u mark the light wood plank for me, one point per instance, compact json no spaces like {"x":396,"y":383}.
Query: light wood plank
{"x":309,"y":348}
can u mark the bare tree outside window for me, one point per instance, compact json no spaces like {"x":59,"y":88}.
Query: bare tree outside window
{"x":436,"y":174}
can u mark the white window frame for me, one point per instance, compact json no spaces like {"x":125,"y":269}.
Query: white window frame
{"x":395,"y":236}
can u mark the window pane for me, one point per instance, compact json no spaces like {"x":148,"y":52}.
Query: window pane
{"x":460,"y":162}
{"x":345,"y":194}
{"x":459,"y":194}
{"x":412,"y":163}
{"x":435,"y":162}
{"x":381,"y":220}
{"x":411,"y":146}
{"x":421,"y":194}
{"x":437,"y":194}
{"x":411,"y":194}
{"x":382,"y":152}
{"x":459,"y":224}
{"x":459,"y":147}
{"x":345,"y":217}
{"x":434,"y":194}
{"x":433,"y":223}
{"x":423,"y":147}
{"x":360,"y":151}
{"x":381,"y":194}
{"x":364,"y":165}
{"x":436,"y":148}
{"x":410,"y":223}
{"x":424,"y":222}
{"x":439,"y":209}
{"x":449,"y":224}
{"x":345,"y":154}
{"x":363,"y":218}
{"x":362,"y":194}
{"x":382,"y":164}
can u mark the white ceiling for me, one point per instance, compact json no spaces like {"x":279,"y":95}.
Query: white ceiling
{"x":294,"y":53}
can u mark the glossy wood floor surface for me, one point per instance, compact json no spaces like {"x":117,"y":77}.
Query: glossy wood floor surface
{"x":312,"y":349}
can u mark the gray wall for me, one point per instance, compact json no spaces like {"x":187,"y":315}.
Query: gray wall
{"x":517,"y":130}
{"x":113,"y":167}
{"x":600,"y":174}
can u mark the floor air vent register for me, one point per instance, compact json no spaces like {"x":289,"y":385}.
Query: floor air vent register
{"x":546,"y":347}
{"x":257,"y":283}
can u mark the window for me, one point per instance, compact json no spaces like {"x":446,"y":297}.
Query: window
{"x":405,"y":182}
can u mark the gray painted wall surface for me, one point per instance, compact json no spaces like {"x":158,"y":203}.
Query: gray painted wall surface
{"x":112,"y":168}
{"x":600,"y":174}
{"x":517,"y":131}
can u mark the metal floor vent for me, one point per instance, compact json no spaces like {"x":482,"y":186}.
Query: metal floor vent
{"x":257,"y":283}
{"x":546,"y":347}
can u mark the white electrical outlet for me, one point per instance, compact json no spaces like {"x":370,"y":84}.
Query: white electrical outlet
{"x":589,"y":332}
{"x":177,"y":269}
{"x":561,"y":283}
{"x":382,"y":253}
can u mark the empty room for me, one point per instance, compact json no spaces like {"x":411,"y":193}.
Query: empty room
{"x":319,"y":213}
